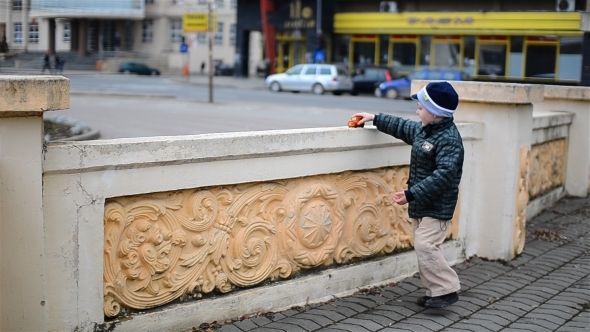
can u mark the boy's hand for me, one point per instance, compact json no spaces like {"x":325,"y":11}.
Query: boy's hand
{"x":366,"y":117}
{"x":400,"y":198}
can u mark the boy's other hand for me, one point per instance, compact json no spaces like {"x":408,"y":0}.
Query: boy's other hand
{"x":400,"y":198}
{"x":366,"y":117}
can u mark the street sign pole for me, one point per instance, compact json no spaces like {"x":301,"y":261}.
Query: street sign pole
{"x":209,"y":33}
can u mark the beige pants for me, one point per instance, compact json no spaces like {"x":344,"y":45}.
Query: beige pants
{"x":436,"y":274}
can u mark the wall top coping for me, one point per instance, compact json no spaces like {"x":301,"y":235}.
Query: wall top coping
{"x":551,"y":119}
{"x":124,"y":153}
{"x":33,"y":95}
{"x":492,"y":93}
{"x":567,"y":92}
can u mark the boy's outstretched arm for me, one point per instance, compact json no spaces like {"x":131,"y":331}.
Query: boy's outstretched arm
{"x":366,"y":117}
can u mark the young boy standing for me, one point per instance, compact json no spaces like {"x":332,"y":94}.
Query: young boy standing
{"x":436,"y":166}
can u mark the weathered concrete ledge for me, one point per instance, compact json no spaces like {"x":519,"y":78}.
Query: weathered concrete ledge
{"x":567,"y":92}
{"x":492,"y":93}
{"x":32,"y":95}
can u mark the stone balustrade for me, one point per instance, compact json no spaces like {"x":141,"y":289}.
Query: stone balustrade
{"x":137,"y":234}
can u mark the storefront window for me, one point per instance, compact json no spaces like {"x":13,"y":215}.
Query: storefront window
{"x":383,"y":50}
{"x":447,"y":52}
{"x":341,"y":45}
{"x":570,"y":58}
{"x":516,"y":57}
{"x":364,"y":53}
{"x":404,"y":57}
{"x":469,"y":55}
{"x":541,"y":57}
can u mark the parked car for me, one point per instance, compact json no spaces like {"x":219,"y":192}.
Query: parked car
{"x":316,"y":78}
{"x":400,"y":88}
{"x":137,"y":68}
{"x":224,"y":69}
{"x":367,"y":79}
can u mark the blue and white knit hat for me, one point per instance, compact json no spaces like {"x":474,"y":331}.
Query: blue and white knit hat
{"x":438,"y":98}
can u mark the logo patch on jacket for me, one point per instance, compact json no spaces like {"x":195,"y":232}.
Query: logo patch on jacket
{"x":427,"y":146}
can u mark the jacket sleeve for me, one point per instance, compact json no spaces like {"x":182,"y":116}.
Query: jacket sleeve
{"x":397,"y":127}
{"x":449,"y":161}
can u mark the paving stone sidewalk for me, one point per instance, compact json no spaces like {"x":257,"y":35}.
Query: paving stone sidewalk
{"x":546,"y":288}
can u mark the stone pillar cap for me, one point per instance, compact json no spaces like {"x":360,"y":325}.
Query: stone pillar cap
{"x":492,"y":93}
{"x":33,"y":95}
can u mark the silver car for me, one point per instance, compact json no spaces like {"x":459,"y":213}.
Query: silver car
{"x":316,"y":78}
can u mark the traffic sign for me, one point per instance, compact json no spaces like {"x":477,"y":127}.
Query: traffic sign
{"x":183,"y":48}
{"x":197,"y":22}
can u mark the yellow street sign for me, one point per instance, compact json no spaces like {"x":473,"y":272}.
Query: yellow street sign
{"x":197,"y":22}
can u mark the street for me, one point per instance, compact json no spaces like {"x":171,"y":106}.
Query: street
{"x":133,"y":106}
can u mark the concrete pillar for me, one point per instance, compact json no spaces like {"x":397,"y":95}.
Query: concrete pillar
{"x":493,"y":197}
{"x":25,"y":20}
{"x":22,"y":277}
{"x":574,"y":100}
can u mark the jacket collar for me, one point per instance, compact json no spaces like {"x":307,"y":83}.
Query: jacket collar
{"x":437,"y":126}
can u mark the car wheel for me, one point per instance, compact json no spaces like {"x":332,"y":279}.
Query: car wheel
{"x":378,"y":93}
{"x":391,"y":93}
{"x":354,"y":93}
{"x":153,"y":73}
{"x":317,"y":89}
{"x":275,"y":87}
{"x":336,"y":93}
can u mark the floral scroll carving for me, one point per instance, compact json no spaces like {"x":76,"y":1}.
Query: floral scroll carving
{"x":167,"y":246}
{"x":522,"y":200}
{"x":547,"y":167}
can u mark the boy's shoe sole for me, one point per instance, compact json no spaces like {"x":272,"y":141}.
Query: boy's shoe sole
{"x":441,"y":301}
{"x":422,"y":300}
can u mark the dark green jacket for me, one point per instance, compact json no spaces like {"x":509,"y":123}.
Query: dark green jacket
{"x":436,"y":163}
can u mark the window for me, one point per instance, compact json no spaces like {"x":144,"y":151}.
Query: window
{"x":18,"y":33}
{"x":325,"y":71}
{"x":147,"y":31}
{"x":311,"y":70}
{"x":219,"y":34}
{"x":232,"y":35}
{"x":176,"y":30}
{"x":17,"y":5}
{"x":202,"y":38}
{"x":219,"y":3}
{"x":34,"y":33}
{"x":67,"y":32}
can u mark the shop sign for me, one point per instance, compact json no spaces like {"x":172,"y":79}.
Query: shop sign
{"x":197,"y":22}
{"x":441,"y":20}
{"x":300,"y":16}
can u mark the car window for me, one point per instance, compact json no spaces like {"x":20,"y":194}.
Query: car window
{"x":295,"y":70}
{"x":325,"y":71}
{"x":449,"y":76}
{"x":310,"y":70}
{"x":374,"y":74}
{"x":434,"y":75}
{"x":419,"y":75}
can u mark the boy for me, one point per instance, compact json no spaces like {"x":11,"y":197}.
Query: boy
{"x":436,"y":166}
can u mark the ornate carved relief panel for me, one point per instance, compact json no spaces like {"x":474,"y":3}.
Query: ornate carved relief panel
{"x":547,"y":167}
{"x":522,"y":200}
{"x":178,"y":245}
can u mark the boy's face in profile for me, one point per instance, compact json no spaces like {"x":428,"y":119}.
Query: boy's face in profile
{"x":425,"y":116}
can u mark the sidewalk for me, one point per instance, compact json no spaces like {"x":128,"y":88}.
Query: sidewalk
{"x":546,"y":288}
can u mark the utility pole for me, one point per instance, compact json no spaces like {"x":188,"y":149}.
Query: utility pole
{"x":209,"y":34}
{"x":318,"y":20}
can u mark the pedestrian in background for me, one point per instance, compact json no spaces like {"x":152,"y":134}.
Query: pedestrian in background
{"x":59,"y":64}
{"x":436,"y":166}
{"x":46,"y":64}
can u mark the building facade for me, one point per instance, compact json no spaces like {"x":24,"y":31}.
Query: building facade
{"x":524,"y":40}
{"x":148,"y":29}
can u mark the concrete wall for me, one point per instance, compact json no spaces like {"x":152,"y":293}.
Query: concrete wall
{"x":55,"y":247}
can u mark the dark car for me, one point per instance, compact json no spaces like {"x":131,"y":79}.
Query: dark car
{"x":223,"y":69}
{"x":401,"y":88}
{"x":367,"y":79}
{"x":137,"y":68}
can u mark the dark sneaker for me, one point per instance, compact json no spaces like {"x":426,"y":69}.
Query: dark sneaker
{"x":422,"y":299}
{"x":441,"y":301}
